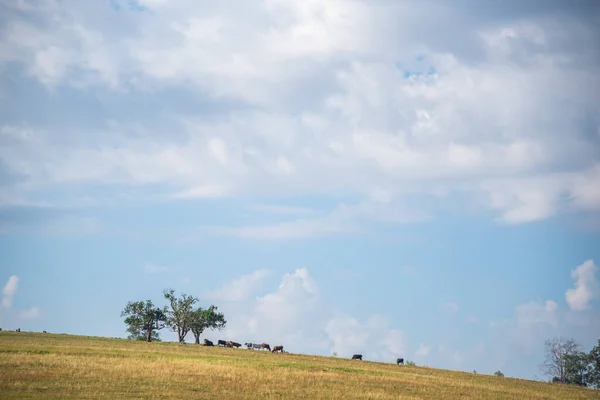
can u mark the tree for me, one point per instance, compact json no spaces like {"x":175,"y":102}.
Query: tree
{"x":577,"y":369}
{"x":139,"y":334}
{"x":594,"y":366}
{"x":557,"y":351}
{"x":411,"y":363}
{"x":202,"y":319}
{"x":144,"y":319}
{"x":499,"y":373}
{"x":179,"y":317}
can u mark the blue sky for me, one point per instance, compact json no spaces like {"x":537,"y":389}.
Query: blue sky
{"x":396,"y":179}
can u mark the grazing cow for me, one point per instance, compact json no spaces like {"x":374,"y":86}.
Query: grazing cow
{"x":265,"y":346}
{"x":400,"y":361}
{"x":221,"y":343}
{"x":44,"y":332}
{"x":357,"y":357}
{"x":18,"y":330}
{"x":208,"y":342}
{"x":277,"y":348}
{"x":248,"y":345}
{"x":235,"y":344}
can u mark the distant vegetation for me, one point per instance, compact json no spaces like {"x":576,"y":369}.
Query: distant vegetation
{"x":566,"y":363}
{"x":144,"y":320}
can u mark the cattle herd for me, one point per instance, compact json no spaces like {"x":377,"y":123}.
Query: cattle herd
{"x":250,"y":346}
{"x":265,"y":346}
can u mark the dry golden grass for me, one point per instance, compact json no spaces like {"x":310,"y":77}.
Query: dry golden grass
{"x":47,"y":366}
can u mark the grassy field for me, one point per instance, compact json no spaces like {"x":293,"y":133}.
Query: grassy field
{"x":34,"y":365}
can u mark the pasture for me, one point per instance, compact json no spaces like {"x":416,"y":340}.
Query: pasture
{"x":49,"y":366}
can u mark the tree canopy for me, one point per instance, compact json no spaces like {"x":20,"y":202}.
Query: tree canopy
{"x":144,"y":320}
{"x":206,"y":318}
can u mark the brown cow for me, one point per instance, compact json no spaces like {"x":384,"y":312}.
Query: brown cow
{"x":277,"y":348}
{"x":235,"y":344}
{"x":265,"y":346}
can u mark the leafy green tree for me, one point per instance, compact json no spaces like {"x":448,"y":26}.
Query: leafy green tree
{"x":499,"y":373}
{"x":179,"y":316}
{"x":137,"y":334}
{"x":144,"y":319}
{"x":594,"y":366}
{"x":577,"y":369}
{"x":206,"y":318}
{"x":411,"y":363}
{"x":558,"y":350}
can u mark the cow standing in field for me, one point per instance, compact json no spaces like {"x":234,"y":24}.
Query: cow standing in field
{"x":221,"y":342}
{"x":208,"y":342}
{"x":235,"y":344}
{"x":265,"y":346}
{"x":357,"y":357}
{"x":400,"y":361}
{"x":277,"y":348}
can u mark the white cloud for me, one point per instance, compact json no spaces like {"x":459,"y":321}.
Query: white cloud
{"x":9,"y":290}
{"x":296,"y":316}
{"x":331,"y":98}
{"x":449,"y":308}
{"x":532,"y":322}
{"x":31,"y":313}
{"x":423,"y":350}
{"x":586,"y":286}
{"x":239,"y":288}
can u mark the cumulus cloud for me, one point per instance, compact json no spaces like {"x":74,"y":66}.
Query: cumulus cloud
{"x":9,"y":291}
{"x":239,"y":288}
{"x":296,"y":315}
{"x":362,"y":110}
{"x":586,"y":286}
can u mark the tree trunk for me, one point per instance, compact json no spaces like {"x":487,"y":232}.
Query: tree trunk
{"x":149,"y":335}
{"x":197,"y":337}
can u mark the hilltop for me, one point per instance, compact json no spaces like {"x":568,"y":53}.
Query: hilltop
{"x":50,"y":366}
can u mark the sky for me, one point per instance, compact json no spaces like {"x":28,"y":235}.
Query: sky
{"x":390,"y":178}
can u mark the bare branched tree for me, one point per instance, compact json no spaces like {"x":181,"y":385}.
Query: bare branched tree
{"x":558,"y":350}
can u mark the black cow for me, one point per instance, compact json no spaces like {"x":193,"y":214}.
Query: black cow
{"x":208,"y":342}
{"x":18,"y":330}
{"x":400,"y":361}
{"x":357,"y":357}
{"x":222,"y":343}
